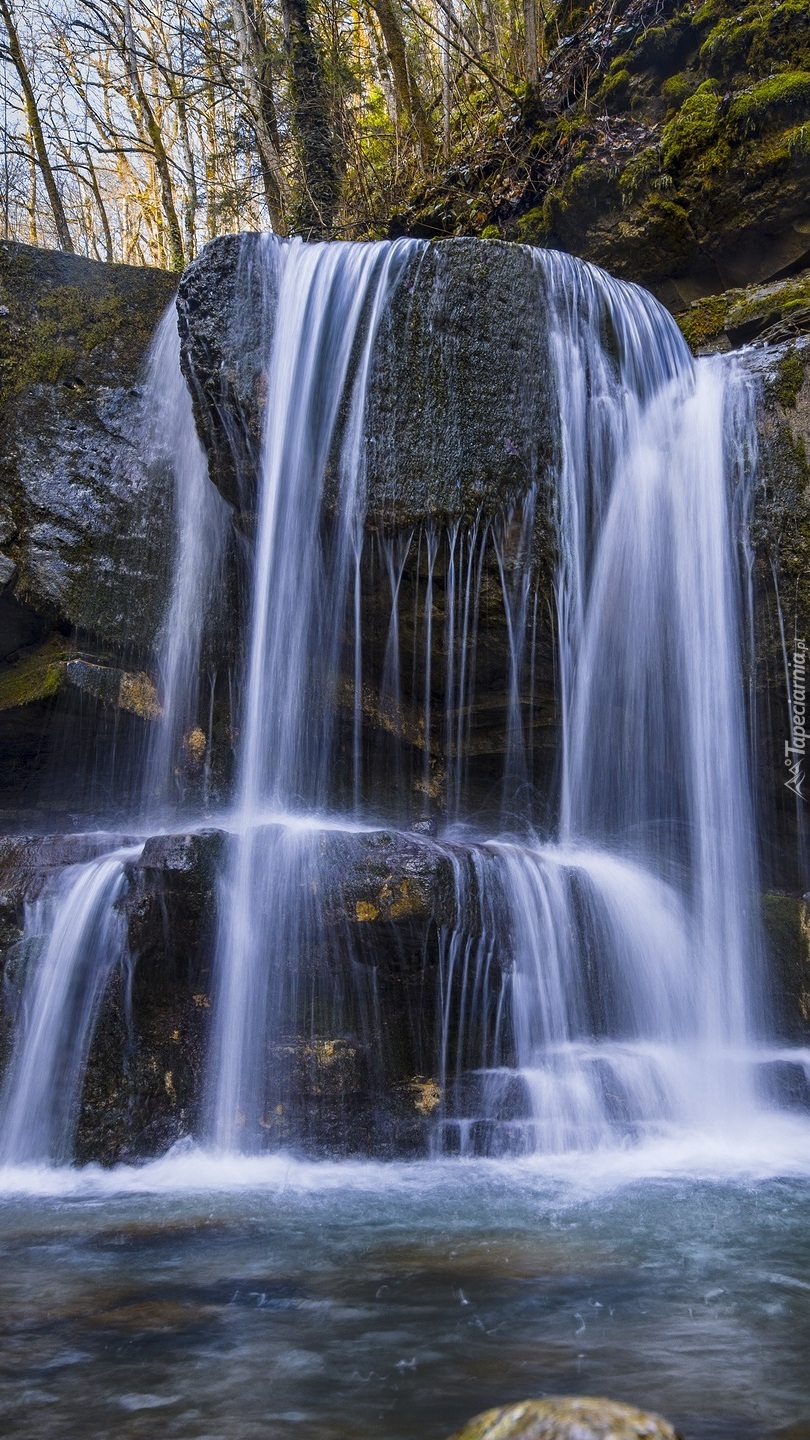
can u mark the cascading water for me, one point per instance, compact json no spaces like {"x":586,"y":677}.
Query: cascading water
{"x":201,"y":521}
{"x":299,"y":599}
{"x":636,"y":945}
{"x":82,"y":937}
{"x":601,"y":972}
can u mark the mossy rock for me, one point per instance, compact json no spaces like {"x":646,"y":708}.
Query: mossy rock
{"x":695,"y":128}
{"x":767,"y":105}
{"x":773,"y":312}
{"x":567,"y":1418}
{"x":37,"y":675}
{"x":786,"y":919}
{"x":708,"y":107}
{"x":67,"y":320}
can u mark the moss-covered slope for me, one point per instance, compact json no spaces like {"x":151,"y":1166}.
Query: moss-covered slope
{"x":668,"y":141}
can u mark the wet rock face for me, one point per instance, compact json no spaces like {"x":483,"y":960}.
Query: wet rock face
{"x":78,"y":503}
{"x":458,"y":416}
{"x":85,"y":522}
{"x":567,"y":1418}
{"x":780,"y":528}
{"x":460,"y":428}
{"x":224,"y":305}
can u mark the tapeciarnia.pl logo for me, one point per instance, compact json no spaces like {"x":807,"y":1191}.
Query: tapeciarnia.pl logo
{"x":795,"y":748}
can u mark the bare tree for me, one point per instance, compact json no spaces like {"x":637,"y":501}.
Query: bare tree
{"x":38,"y":146}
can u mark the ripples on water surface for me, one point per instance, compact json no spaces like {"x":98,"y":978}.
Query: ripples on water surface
{"x":203,"y":1298}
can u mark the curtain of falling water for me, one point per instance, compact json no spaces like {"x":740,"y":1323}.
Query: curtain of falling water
{"x":329,"y":299}
{"x":201,"y":524}
{"x":84,"y":938}
{"x":635,"y":984}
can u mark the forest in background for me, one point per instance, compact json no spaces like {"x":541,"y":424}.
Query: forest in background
{"x":136,"y":130}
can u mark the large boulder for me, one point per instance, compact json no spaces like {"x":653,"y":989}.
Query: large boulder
{"x":458,"y":414}
{"x":460,"y":426}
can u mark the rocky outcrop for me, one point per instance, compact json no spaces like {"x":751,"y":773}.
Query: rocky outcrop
{"x":458,"y":419}
{"x":770,"y":314}
{"x":780,"y":529}
{"x":567,"y":1418}
{"x":85,"y":522}
{"x":666,"y":140}
{"x":78,"y":504}
{"x":460,"y":428}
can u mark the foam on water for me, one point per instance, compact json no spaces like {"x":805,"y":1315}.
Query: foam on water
{"x":771,"y":1148}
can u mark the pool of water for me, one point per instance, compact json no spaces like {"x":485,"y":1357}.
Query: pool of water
{"x":200,"y":1297}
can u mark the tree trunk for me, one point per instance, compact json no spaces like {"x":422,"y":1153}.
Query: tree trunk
{"x":161,"y":159}
{"x":407,"y":91}
{"x":35,"y":130}
{"x":530,"y":18}
{"x":313,"y":123}
{"x":258,"y":76}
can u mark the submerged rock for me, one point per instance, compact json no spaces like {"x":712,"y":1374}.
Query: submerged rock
{"x":567,"y":1418}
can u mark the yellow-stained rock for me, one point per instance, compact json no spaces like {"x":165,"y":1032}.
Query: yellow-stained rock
{"x":137,"y":694}
{"x":567,"y":1418}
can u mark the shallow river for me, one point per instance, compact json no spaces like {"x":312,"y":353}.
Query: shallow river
{"x":203,"y":1298}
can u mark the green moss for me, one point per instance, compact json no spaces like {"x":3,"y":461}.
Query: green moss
{"x":73,"y":320}
{"x":695,"y":129}
{"x":615,"y":90}
{"x":797,"y":141}
{"x":668,"y":231}
{"x":769,"y":302}
{"x":767,"y":104}
{"x":36,"y":676}
{"x":758,"y":40}
{"x":69,"y":324}
{"x":490,"y":232}
{"x":726,"y":48}
{"x":532,"y":227}
{"x":790,"y":378}
{"x":676,"y":90}
{"x":704,"y":320}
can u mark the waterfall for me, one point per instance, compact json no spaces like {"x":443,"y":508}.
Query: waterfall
{"x":328,"y":301}
{"x":82,"y":935}
{"x":201,"y":522}
{"x":600,"y":977}
{"x":627,"y":945}
{"x":635,"y":990}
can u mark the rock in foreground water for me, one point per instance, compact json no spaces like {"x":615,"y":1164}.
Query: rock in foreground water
{"x":567,"y":1418}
